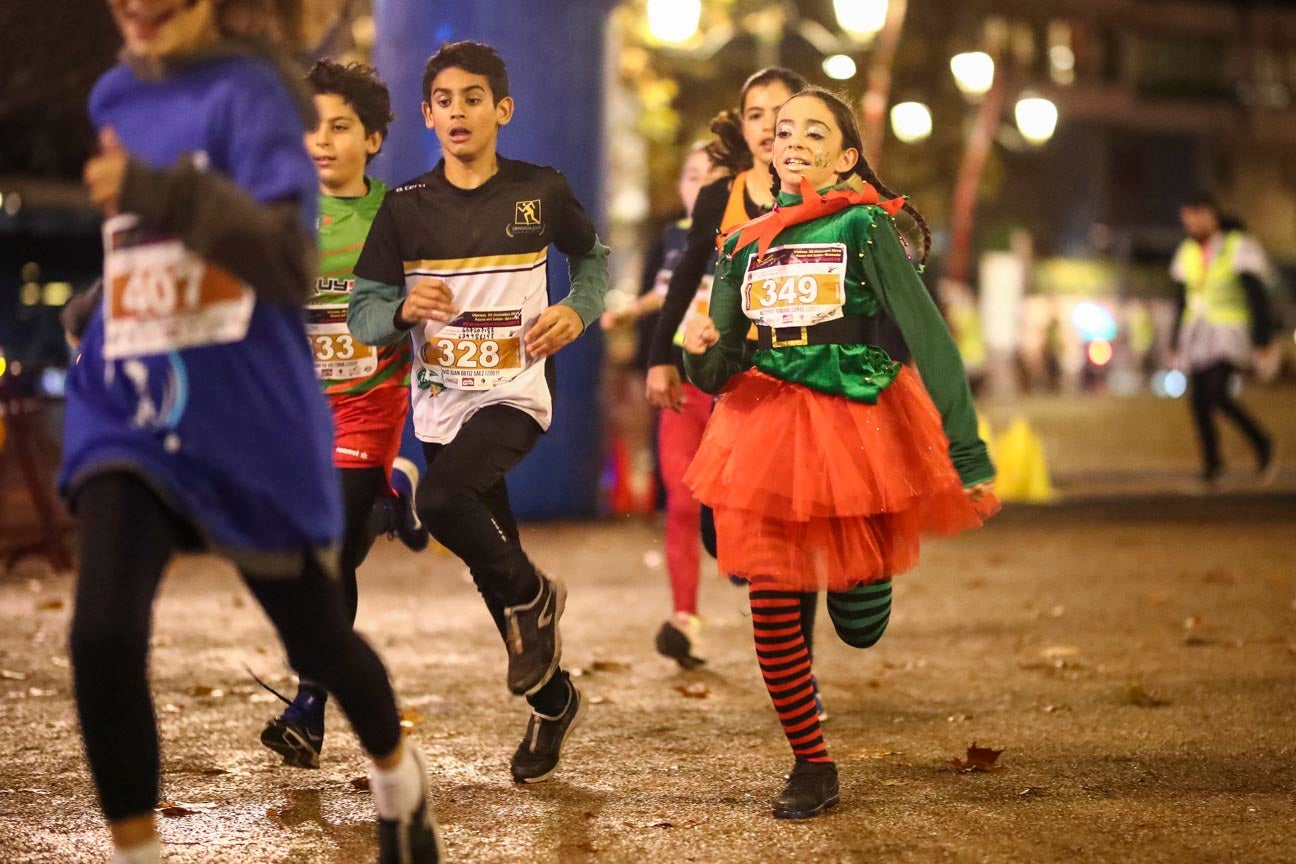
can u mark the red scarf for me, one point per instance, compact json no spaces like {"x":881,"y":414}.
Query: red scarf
{"x":813,"y":205}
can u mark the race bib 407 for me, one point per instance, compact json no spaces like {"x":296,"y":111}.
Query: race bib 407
{"x":161,"y":297}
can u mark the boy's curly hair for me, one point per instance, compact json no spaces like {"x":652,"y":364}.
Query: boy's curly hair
{"x":360,"y":87}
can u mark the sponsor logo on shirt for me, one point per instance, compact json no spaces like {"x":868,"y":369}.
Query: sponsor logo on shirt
{"x":425,"y":380}
{"x":331,"y":285}
{"x":526,"y":218}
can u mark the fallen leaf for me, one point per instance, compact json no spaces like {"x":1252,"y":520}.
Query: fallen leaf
{"x":37,"y":692}
{"x":172,"y":811}
{"x":1220,"y":576}
{"x":10,"y":675}
{"x":50,"y":605}
{"x":609,"y":666}
{"x":171,"y":708}
{"x":411,"y":718}
{"x":202,"y":692}
{"x":696,"y":690}
{"x":978,"y":759}
{"x":60,"y":662}
{"x":360,"y":784}
{"x":597,"y":700}
{"x":875,"y":753}
{"x":958,"y":718}
{"x":1139,"y":696}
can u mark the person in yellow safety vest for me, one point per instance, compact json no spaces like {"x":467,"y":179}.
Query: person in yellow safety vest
{"x":1223,"y":319}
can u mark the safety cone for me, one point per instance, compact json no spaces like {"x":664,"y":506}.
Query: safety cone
{"x":1023,"y":472}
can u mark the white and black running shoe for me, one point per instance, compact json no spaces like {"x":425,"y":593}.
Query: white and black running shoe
{"x":537,"y":756}
{"x":532,"y":637}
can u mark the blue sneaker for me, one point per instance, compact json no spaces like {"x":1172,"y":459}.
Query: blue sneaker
{"x":405,"y":522}
{"x":298,"y":733}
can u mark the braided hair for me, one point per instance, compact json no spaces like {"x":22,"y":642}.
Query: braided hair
{"x":851,"y":139}
{"x":729,"y":149}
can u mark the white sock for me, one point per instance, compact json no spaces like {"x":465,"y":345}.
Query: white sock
{"x":142,"y":853}
{"x":397,"y":793}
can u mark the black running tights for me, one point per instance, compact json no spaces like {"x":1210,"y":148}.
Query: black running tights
{"x":463,"y":500}
{"x":361,"y":489}
{"x":126,"y":537}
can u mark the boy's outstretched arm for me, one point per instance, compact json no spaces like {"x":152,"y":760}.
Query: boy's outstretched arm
{"x":562,"y":323}
{"x":373,"y":310}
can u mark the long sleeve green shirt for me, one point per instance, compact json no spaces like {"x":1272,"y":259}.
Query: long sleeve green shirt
{"x":880,"y":278}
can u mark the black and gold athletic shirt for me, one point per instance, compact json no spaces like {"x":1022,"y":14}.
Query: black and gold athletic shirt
{"x":490,"y":245}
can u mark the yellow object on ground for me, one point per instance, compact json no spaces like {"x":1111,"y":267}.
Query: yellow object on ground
{"x":1023,"y":471}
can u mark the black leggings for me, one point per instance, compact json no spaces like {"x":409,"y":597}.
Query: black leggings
{"x":126,"y":538}
{"x":463,"y":500}
{"x":1210,"y":393}
{"x":361,"y":489}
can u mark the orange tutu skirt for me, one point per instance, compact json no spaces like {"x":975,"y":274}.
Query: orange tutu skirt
{"x":813,"y":492}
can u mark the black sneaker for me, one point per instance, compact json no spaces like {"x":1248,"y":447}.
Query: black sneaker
{"x":680,"y":644}
{"x":537,"y":756}
{"x":533,"y":641}
{"x":298,"y":733}
{"x":413,"y":839}
{"x":811,"y":789}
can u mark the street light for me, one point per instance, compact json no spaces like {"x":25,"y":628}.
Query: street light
{"x":911,"y":121}
{"x":1036,"y":119}
{"x":860,"y":18}
{"x":673,"y":21}
{"x":839,"y":67}
{"x":973,"y":72}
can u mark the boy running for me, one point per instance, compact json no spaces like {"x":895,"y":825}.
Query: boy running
{"x":365,"y":386}
{"x":457,"y":259}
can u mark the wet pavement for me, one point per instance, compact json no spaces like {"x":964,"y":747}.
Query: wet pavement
{"x":1135,"y":663}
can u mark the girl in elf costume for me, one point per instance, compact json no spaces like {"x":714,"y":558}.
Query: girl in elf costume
{"x":742,"y":149}
{"x":827,"y":461}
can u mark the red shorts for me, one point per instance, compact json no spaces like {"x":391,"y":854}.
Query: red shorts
{"x":368,"y":427}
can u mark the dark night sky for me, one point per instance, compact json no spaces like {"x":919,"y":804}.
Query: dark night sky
{"x":51,"y":52}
